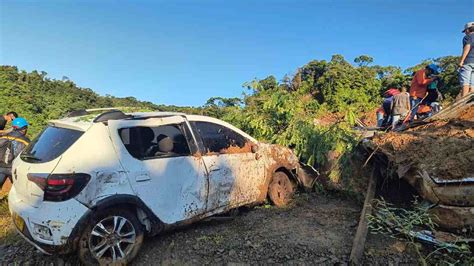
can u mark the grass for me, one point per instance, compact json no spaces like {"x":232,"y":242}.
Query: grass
{"x":8,"y":234}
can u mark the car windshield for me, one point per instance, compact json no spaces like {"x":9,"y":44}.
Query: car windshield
{"x":50,"y":144}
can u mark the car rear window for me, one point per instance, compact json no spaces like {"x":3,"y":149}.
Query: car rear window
{"x":50,"y":144}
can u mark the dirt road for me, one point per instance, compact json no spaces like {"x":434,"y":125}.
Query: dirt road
{"x":316,"y":229}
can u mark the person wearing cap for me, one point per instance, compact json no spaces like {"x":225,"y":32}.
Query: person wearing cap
{"x":466,"y":65}
{"x":419,"y":86}
{"x":11,"y":145}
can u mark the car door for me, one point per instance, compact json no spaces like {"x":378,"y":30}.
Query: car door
{"x":235,"y":173}
{"x":171,"y":180}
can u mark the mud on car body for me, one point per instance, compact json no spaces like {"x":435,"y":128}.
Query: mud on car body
{"x":96,"y":186}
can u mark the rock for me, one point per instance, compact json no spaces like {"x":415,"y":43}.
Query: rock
{"x":399,"y":246}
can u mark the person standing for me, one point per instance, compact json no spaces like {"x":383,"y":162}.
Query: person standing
{"x":400,"y":106}
{"x":11,"y":145}
{"x":419,"y":84}
{"x":466,"y":65}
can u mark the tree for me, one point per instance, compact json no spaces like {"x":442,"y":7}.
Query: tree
{"x":363,"y":60}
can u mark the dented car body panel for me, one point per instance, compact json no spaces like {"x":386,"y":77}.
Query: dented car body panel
{"x":59,"y":217}
{"x":182,"y":168}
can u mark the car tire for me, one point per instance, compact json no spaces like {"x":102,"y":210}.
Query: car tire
{"x":111,"y":233}
{"x":281,"y":189}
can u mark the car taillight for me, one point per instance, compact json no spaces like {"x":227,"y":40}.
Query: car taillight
{"x":60,"y":187}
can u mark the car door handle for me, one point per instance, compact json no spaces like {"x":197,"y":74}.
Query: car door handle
{"x":141,"y":178}
{"x":214,"y":170}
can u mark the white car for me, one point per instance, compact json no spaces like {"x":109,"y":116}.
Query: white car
{"x":96,"y":185}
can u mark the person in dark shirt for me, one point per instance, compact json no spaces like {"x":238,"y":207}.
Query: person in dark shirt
{"x":466,"y":65}
{"x":4,"y":119}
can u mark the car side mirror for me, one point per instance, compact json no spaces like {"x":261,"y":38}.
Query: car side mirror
{"x":254,"y":148}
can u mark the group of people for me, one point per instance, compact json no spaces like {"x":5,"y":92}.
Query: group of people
{"x":12,"y":141}
{"x":423,"y":98}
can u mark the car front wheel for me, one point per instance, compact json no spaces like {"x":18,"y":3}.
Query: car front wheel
{"x":281,"y":189}
{"x":113,"y":237}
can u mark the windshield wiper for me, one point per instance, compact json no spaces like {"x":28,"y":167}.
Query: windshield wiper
{"x":30,"y":157}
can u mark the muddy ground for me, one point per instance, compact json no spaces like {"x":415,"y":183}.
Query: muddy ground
{"x":316,"y":229}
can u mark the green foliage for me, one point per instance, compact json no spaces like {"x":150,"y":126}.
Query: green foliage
{"x":363,"y":60}
{"x":39,"y":99}
{"x":449,"y":75}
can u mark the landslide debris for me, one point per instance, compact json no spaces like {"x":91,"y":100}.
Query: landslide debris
{"x":444,"y":148}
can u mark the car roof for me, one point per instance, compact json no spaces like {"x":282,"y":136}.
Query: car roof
{"x":84,"y":122}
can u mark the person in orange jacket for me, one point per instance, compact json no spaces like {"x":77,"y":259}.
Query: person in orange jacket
{"x":419,"y":86}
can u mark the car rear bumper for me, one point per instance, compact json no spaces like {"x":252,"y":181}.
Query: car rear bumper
{"x":45,"y":249}
{"x":57,"y":221}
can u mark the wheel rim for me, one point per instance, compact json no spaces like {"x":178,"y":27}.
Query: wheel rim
{"x":281,"y":190}
{"x":113,"y":238}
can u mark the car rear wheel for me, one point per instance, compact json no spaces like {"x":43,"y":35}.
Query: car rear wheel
{"x":113,"y":237}
{"x":281,"y":189}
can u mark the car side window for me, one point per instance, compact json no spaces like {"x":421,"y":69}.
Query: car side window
{"x":155,"y":142}
{"x":220,"y":139}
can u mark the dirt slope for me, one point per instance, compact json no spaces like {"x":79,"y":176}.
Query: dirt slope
{"x":445,"y":148}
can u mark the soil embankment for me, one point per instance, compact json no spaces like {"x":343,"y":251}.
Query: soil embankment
{"x":445,"y":148}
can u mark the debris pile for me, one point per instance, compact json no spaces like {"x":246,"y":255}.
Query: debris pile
{"x":436,"y":157}
{"x":445,"y":149}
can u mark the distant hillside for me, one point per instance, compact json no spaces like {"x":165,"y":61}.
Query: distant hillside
{"x":38,"y":98}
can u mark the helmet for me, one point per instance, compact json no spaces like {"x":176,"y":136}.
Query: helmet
{"x":435,"y":68}
{"x":19,"y":123}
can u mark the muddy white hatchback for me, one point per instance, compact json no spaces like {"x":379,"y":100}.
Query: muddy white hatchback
{"x":97,"y":185}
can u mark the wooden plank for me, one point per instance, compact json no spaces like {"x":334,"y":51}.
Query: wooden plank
{"x":358,"y":244}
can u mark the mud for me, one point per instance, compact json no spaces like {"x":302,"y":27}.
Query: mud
{"x":467,"y":114}
{"x":314,"y":229}
{"x":445,"y":149}
{"x":236,"y":149}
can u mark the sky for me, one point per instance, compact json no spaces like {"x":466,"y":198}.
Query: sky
{"x":184,"y":52}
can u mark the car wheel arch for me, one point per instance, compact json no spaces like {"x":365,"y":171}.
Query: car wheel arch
{"x":137,"y":206}
{"x":129,"y":202}
{"x":289,"y":173}
{"x":282,"y":187}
